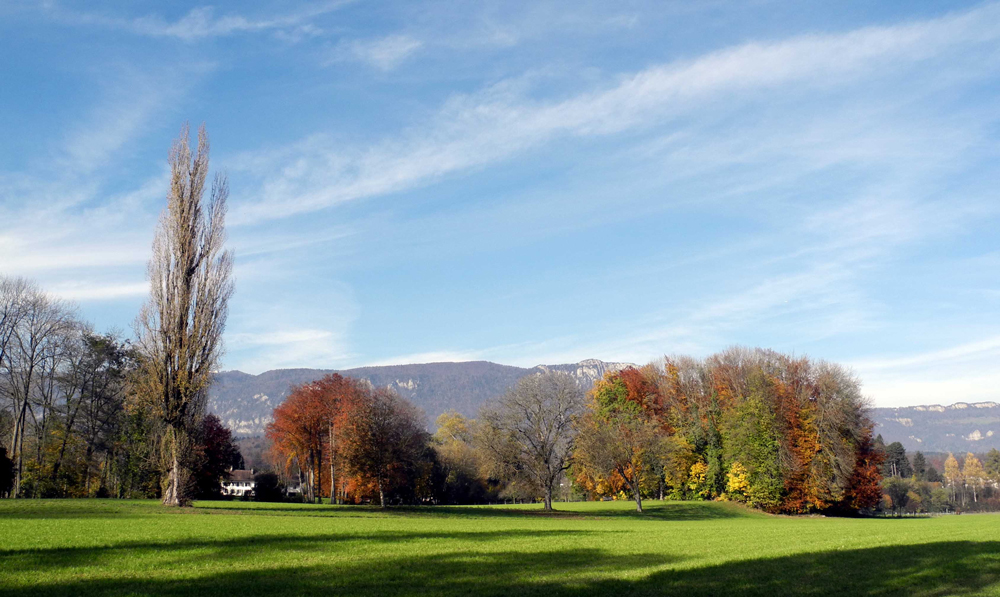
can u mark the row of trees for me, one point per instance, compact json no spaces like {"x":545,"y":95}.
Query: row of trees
{"x":64,"y":417}
{"x":779,"y":433}
{"x":71,"y":421}
{"x":751,"y":425}
{"x":973,"y":477}
{"x":90,"y":414}
{"x":911,"y":485}
{"x":347,"y":441}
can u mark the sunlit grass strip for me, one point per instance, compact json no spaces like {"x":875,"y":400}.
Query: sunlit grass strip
{"x":598,"y":548}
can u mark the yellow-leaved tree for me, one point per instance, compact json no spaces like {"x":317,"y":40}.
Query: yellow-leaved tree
{"x":737,"y":482}
{"x":952,"y":474}
{"x":975,"y":474}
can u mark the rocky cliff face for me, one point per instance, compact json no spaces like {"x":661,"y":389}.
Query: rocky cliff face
{"x":961,"y":427}
{"x":244,"y":402}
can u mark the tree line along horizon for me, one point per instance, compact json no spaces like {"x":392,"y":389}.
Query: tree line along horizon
{"x":98,"y":415}
{"x":750,"y":425}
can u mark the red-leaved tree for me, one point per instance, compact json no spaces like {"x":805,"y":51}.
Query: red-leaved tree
{"x":304,"y":432}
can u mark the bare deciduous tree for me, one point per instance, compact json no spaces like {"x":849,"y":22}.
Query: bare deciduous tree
{"x":35,"y":324}
{"x":528,"y":434}
{"x":180,"y":327}
{"x":13,"y":293}
{"x":12,"y":302}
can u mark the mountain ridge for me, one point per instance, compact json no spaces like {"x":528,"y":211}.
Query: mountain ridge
{"x":957,"y":427}
{"x":244,"y":401}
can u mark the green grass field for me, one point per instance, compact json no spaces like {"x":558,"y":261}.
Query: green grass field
{"x":103,"y":547}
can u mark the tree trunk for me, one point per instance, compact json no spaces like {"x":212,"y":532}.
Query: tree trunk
{"x":86,"y":467}
{"x":65,"y":440}
{"x":319,"y":475}
{"x":170,"y":496}
{"x":104,"y":475}
{"x":333,"y":483}
{"x":381,"y":494}
{"x":17,"y":447}
{"x":548,"y":497}
{"x":175,"y":494}
{"x":638,"y":497}
{"x":333,"y":470}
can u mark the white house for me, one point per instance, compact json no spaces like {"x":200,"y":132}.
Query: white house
{"x":238,"y":483}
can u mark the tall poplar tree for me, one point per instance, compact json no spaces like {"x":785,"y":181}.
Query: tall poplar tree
{"x":180,"y":327}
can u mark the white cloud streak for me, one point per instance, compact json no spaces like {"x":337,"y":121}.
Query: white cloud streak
{"x":472,"y":131}
{"x":981,"y":349}
{"x":384,"y":54}
{"x":965,"y":372}
{"x":203,"y":23}
{"x":99,"y":292}
{"x":439,"y":356}
{"x":60,"y":223}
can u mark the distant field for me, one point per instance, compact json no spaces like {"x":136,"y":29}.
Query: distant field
{"x":70,"y":547}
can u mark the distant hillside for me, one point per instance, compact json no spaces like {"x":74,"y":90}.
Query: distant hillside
{"x":244,"y":402}
{"x":961,"y":427}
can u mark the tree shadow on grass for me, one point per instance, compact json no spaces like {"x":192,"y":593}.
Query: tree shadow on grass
{"x":76,"y":509}
{"x":473,"y":572}
{"x":651,"y":511}
{"x":927,"y":570}
{"x":184,"y":552}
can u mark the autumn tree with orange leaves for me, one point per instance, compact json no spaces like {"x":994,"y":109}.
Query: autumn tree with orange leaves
{"x":304,"y":432}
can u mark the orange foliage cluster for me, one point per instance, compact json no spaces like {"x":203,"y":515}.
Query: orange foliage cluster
{"x":304,"y":434}
{"x":349,"y":442}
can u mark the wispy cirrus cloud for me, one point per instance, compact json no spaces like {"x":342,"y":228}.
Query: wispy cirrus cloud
{"x":95,"y":291}
{"x":62,"y":223}
{"x":384,"y":53}
{"x":474,"y":130}
{"x":988,"y":348}
{"x":203,"y":22}
{"x":964,"y":372}
{"x":286,"y":347}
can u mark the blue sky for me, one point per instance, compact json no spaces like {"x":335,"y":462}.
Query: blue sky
{"x":532,"y":182}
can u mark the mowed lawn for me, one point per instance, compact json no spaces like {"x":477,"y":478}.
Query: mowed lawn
{"x":103,"y":547}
